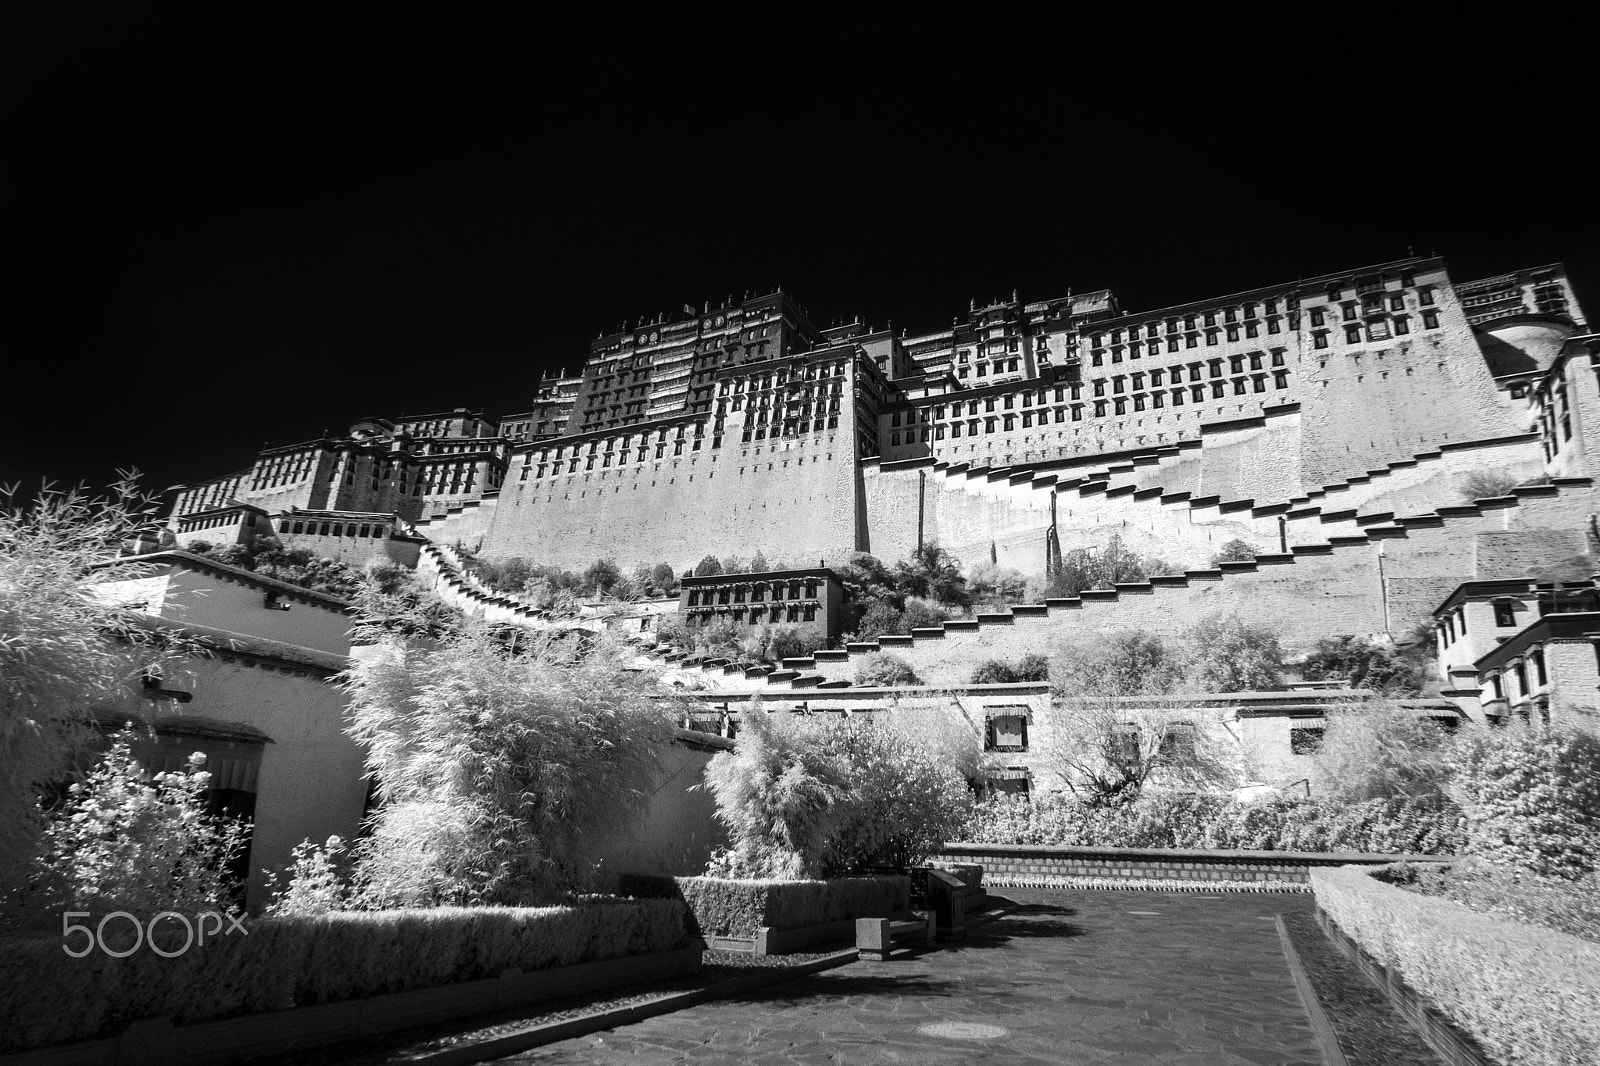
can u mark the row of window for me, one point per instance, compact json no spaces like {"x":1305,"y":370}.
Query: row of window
{"x":792,"y":612}
{"x":756,"y":592}
{"x":359,"y":530}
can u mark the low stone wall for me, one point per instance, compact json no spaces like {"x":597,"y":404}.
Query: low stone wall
{"x":1004,"y":862}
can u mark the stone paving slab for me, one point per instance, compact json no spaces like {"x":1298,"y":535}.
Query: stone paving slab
{"x":1108,"y":978}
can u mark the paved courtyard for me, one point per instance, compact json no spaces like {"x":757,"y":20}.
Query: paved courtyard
{"x":1114,"y":978}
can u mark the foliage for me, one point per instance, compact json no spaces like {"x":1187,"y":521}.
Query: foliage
{"x":121,"y":842}
{"x":1162,"y":819}
{"x":724,"y":907}
{"x":1001,"y":672}
{"x":1106,"y":751}
{"x":932,"y":574}
{"x":884,"y":670}
{"x":602,"y":577}
{"x":493,"y":765}
{"x":1086,"y":568}
{"x":393,"y":599}
{"x":1532,"y":798}
{"x":65,"y":645}
{"x":314,"y":885}
{"x":663,"y":577}
{"x":1234,"y":551}
{"x":1364,"y":664}
{"x":1513,"y":988}
{"x":806,"y":798}
{"x":47,"y":997}
{"x":992,"y":585}
{"x":789,"y":642}
{"x":710,"y":566}
{"x":881,"y":619}
{"x":1379,"y":750}
{"x":1126,"y":662}
{"x":1567,"y":906}
{"x":1228,"y":654}
{"x":1487,"y":484}
{"x":293,"y":566}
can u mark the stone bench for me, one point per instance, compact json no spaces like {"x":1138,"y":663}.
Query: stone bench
{"x":875,"y":937}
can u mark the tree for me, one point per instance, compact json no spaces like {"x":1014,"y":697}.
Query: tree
{"x":664,"y":578}
{"x":1234,"y":551}
{"x":1364,"y":664}
{"x":1107,"y":750}
{"x":493,"y":764}
{"x":67,"y":642}
{"x":758,"y":564}
{"x":884,"y":670}
{"x":601,"y":577}
{"x":710,"y":566}
{"x":932,"y":573}
{"x":1085,"y":568}
{"x":1227,"y":654}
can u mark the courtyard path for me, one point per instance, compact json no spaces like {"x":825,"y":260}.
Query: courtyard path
{"x":1109,"y":978}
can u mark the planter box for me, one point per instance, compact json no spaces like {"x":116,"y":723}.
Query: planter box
{"x":158,"y":1042}
{"x":1012,"y":861}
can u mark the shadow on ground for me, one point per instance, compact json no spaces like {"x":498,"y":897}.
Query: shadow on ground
{"x":1026,"y":921}
{"x":834,"y":985}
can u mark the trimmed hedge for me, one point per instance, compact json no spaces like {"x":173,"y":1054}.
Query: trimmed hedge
{"x":48,"y":997}
{"x":724,"y":907}
{"x":1526,"y":994}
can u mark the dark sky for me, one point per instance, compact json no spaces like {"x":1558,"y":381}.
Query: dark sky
{"x":233,"y":224}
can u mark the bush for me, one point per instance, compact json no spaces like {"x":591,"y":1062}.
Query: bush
{"x":807,"y":798}
{"x":1532,"y":798}
{"x":992,"y":585}
{"x":724,"y":907}
{"x":125,"y":843}
{"x":1388,"y":670}
{"x":1234,"y":551}
{"x":1379,"y":750}
{"x":1209,"y":821}
{"x":884,"y":670}
{"x":1571,"y":907}
{"x":494,"y":765}
{"x":1525,"y":994}
{"x":1487,"y":485}
{"x":65,"y":646}
{"x":47,"y":997}
{"x":1082,"y":569}
{"x":1227,"y":654}
{"x":1001,"y":672}
{"x":1125,"y":662}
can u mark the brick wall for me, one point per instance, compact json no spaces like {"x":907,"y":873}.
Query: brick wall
{"x":1023,"y":862}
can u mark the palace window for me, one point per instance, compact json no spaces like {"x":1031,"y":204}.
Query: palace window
{"x":1430,"y":320}
{"x":1505,"y":614}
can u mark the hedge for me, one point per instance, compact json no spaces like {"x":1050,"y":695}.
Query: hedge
{"x":47,"y":996}
{"x":724,"y":907}
{"x":1526,"y":994}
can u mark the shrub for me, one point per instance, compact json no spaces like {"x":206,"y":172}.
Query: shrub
{"x":1083,"y":568}
{"x":725,"y":907}
{"x":315,"y":885}
{"x":1379,"y":750}
{"x":884,"y":670}
{"x":121,"y":842}
{"x":790,"y":642}
{"x":494,"y":765}
{"x":1001,"y":672}
{"x":1532,"y":798}
{"x":1571,"y":907}
{"x":806,"y":798}
{"x":1537,"y":1000}
{"x":933,"y":574}
{"x":1234,"y":551}
{"x":992,"y":585}
{"x":66,"y":645}
{"x":1125,"y":662}
{"x":1227,"y":654}
{"x":1388,"y":670}
{"x":1487,"y":485}
{"x":1210,"y":820}
{"x":47,"y":997}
